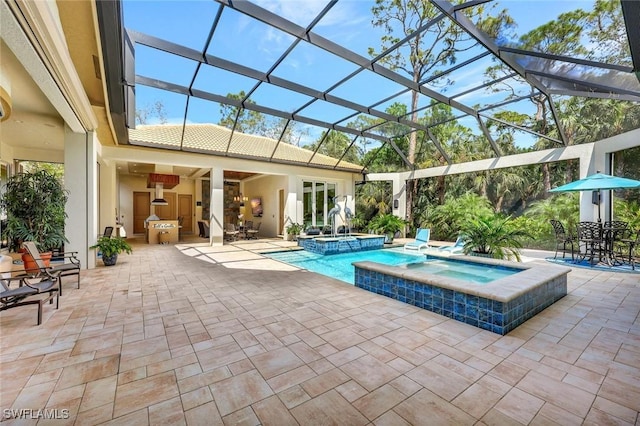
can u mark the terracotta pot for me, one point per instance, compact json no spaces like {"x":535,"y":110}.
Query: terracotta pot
{"x":30,"y":265}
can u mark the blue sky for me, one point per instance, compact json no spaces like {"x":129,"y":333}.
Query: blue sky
{"x":256,"y":45}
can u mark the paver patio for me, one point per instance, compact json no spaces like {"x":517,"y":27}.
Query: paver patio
{"x":164,"y":337}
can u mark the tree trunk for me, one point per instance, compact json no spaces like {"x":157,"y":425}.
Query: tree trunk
{"x":546,"y":180}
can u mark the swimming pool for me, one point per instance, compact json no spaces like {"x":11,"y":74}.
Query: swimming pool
{"x":340,"y":266}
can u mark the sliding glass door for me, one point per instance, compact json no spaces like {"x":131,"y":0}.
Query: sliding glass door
{"x":317,"y":199}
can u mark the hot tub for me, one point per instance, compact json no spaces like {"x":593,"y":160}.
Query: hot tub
{"x":498,"y":306}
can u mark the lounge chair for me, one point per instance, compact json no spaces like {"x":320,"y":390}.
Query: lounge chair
{"x":422,"y":240}
{"x":56,"y":271}
{"x":312,"y":230}
{"x":27,"y":294}
{"x":457,"y":247}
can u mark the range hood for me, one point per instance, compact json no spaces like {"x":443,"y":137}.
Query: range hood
{"x":159,"y":200}
{"x":159,"y":182}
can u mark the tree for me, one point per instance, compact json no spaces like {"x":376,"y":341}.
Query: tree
{"x":401,"y":18}
{"x":426,"y":55}
{"x":154,"y":111}
{"x":334,"y":145}
{"x":242,"y":119}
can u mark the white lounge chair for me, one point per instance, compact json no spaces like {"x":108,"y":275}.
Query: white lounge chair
{"x":422,"y":240}
{"x":456,"y":248}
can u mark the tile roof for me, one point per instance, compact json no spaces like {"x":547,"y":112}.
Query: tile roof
{"x":218,"y":140}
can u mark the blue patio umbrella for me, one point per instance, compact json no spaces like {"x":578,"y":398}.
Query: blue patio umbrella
{"x":598,"y":182}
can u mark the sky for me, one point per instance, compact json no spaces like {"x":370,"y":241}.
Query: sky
{"x":245,"y":41}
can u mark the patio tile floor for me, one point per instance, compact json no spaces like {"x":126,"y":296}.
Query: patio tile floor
{"x":165,"y":337}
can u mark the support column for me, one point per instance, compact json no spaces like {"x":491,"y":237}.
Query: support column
{"x":80,"y":180}
{"x":292,"y":209}
{"x":216,"y":208}
{"x":590,"y":163}
{"x":109,"y":206}
{"x":399,"y":203}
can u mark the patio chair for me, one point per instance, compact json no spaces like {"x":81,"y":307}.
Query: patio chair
{"x":618,"y":224}
{"x":230,"y":232}
{"x":627,"y":245}
{"x":562,"y":239}
{"x":252,"y":233}
{"x":421,"y":240}
{"x":590,"y":241}
{"x":27,"y":294}
{"x":457,"y":247}
{"x":108,"y":230}
{"x":56,"y":271}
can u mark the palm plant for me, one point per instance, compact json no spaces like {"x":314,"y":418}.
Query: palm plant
{"x":447,"y":219}
{"x":494,"y":235}
{"x":387,"y":224}
{"x":562,"y":207}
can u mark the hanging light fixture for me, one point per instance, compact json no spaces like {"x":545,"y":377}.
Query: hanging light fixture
{"x":240,"y":199}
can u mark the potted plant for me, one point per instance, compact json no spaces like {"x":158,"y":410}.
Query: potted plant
{"x":293,"y":230}
{"x":110,"y":247}
{"x":387,"y":224}
{"x":493,"y":236}
{"x":35,"y":206}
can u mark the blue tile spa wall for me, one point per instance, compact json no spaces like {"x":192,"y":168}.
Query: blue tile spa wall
{"x":493,"y":315}
{"x":340,"y":245}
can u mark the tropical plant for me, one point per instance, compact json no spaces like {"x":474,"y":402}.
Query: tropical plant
{"x":562,"y":207}
{"x":294,"y":229}
{"x":628,"y":211}
{"x":447,"y":219}
{"x":111,"y":247}
{"x":34,"y":203}
{"x":387,"y":224}
{"x":493,"y":235}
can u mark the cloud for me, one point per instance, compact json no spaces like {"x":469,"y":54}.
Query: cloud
{"x":300,"y":12}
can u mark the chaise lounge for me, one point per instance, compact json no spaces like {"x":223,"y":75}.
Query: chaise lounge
{"x":421,"y":241}
{"x":72,"y":267}
{"x":27,"y":294}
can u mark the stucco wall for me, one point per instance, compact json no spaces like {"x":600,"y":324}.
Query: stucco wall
{"x":130,"y":184}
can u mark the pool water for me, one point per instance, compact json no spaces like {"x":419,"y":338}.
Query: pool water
{"x":466,"y":271}
{"x":340,"y":266}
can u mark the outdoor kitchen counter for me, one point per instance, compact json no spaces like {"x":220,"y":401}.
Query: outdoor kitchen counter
{"x":157,"y":227}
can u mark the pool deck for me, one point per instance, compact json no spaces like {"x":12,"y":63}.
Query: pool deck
{"x":199,"y":335}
